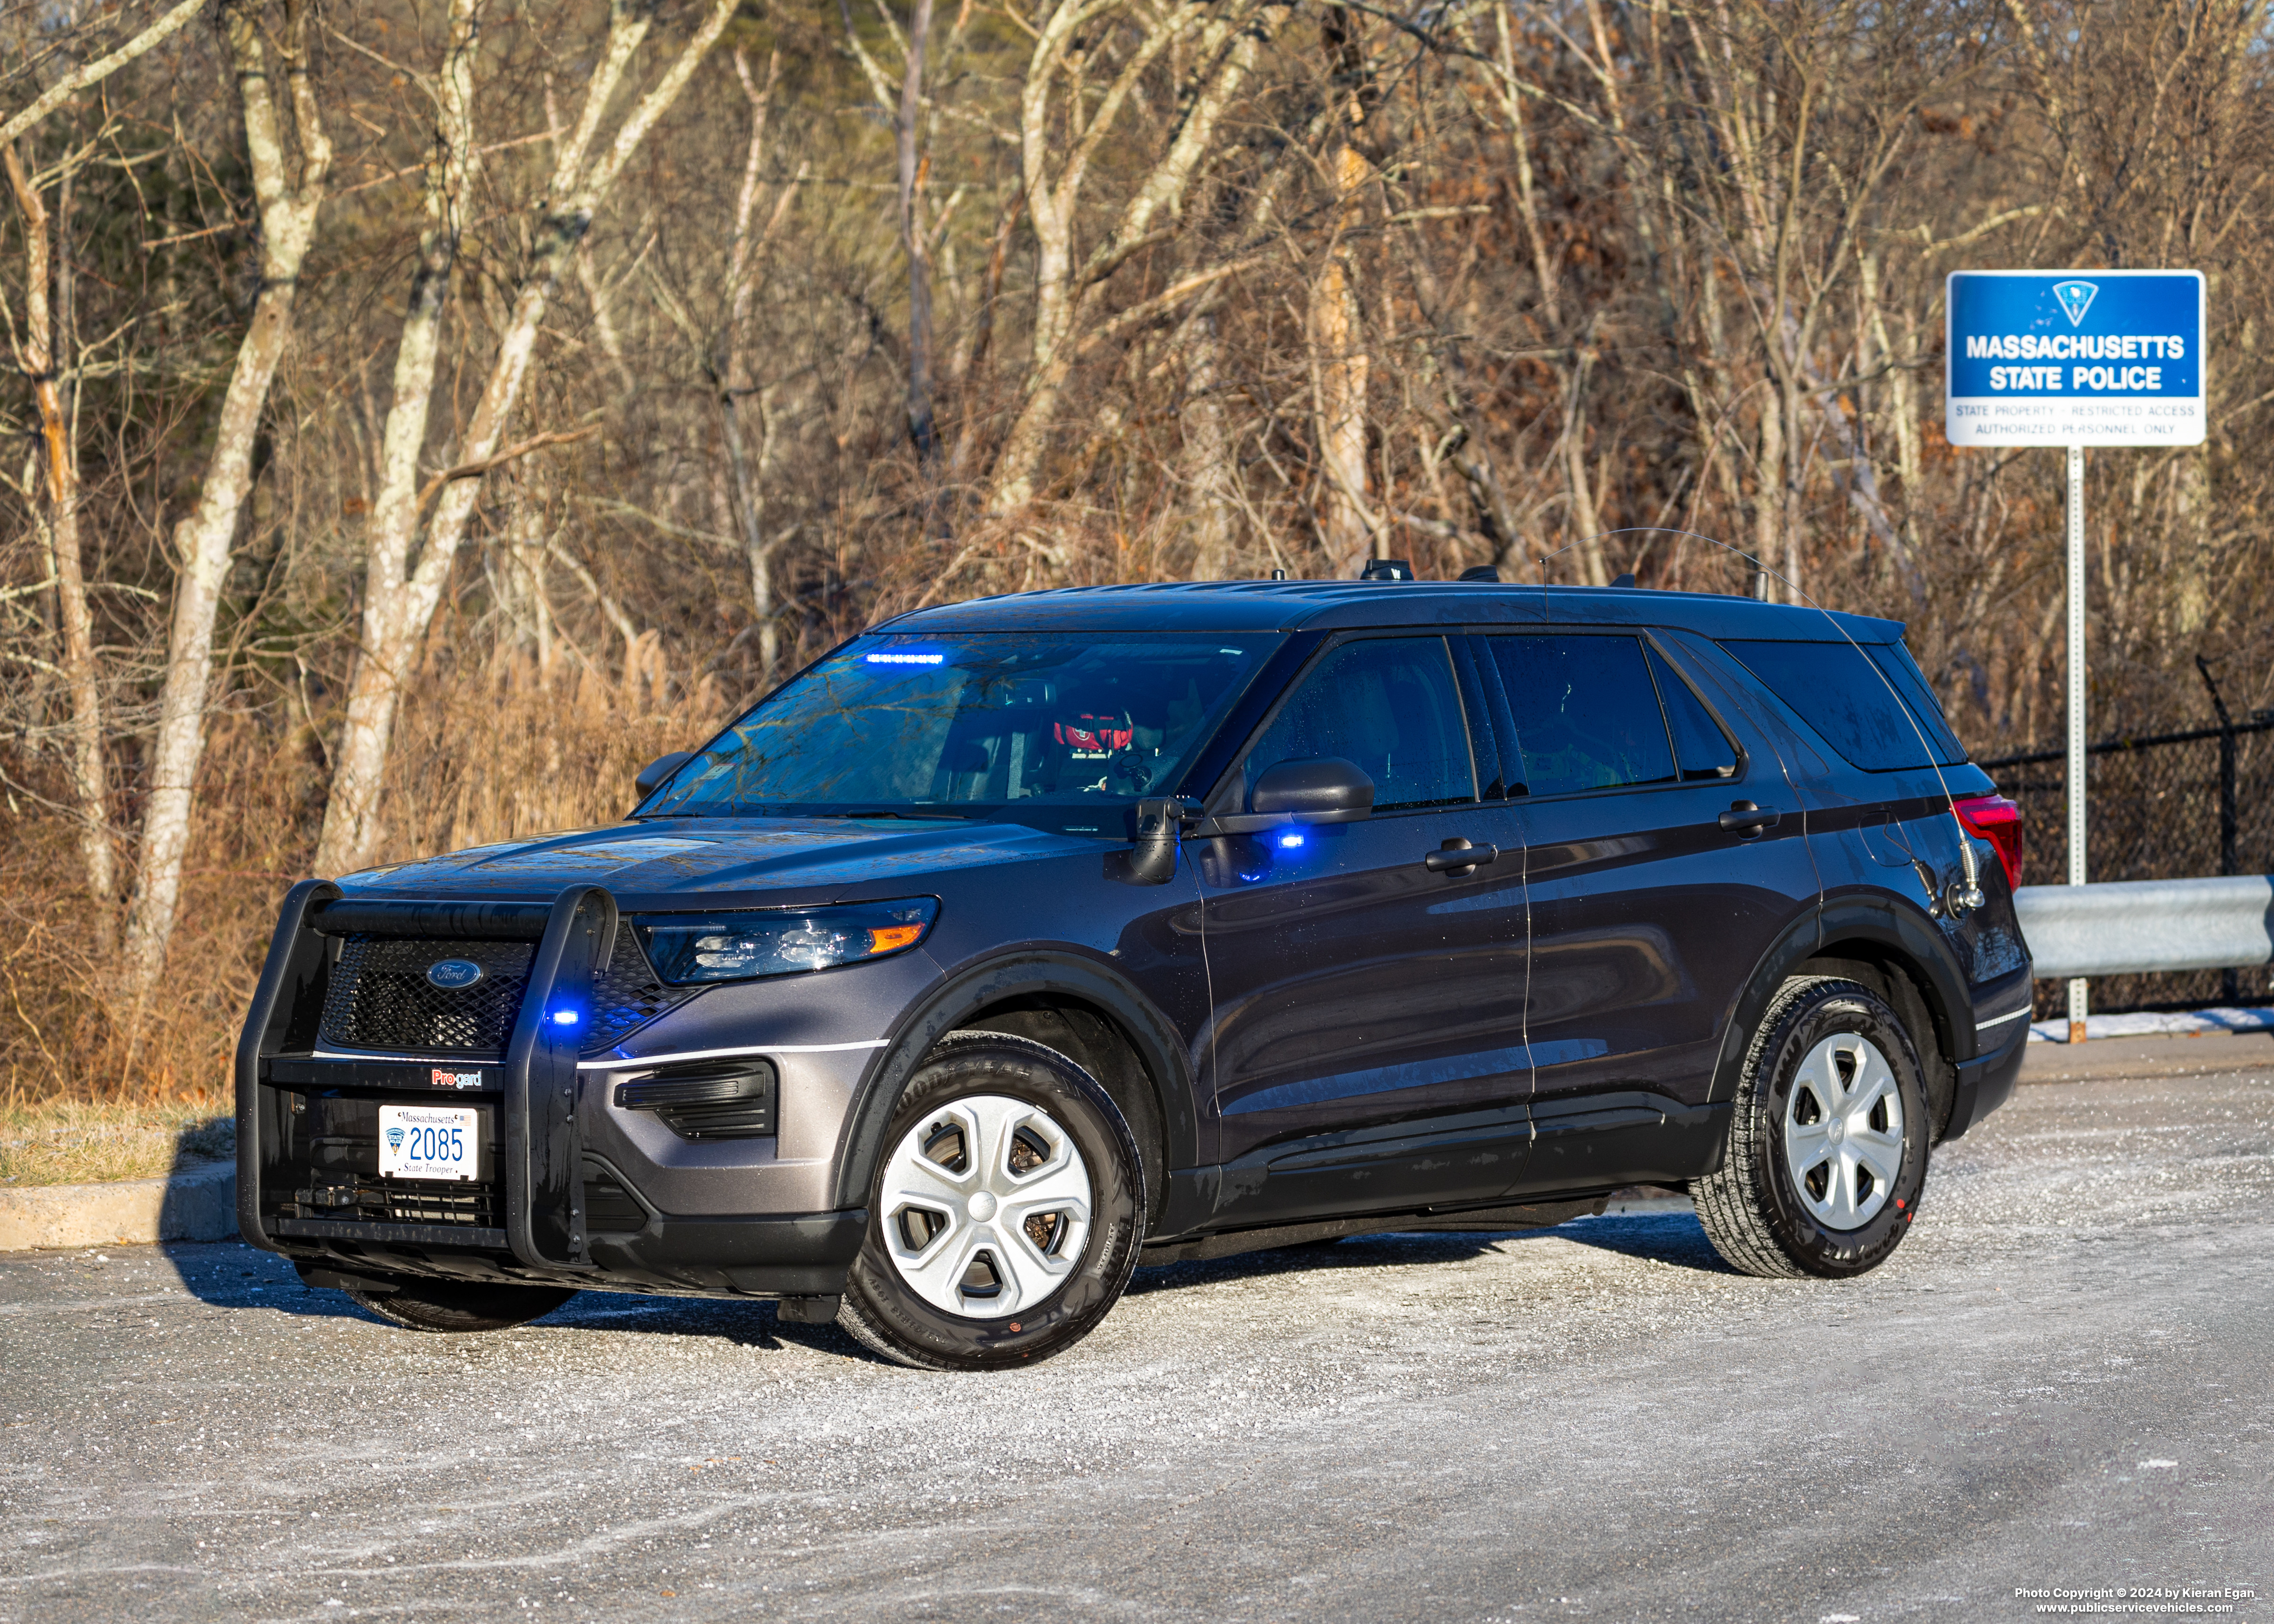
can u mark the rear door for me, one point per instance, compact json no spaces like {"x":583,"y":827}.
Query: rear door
{"x":1367,"y":1047}
{"x":1648,"y":910}
{"x":1868,"y":754}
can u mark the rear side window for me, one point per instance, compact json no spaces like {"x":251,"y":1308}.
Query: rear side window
{"x":1848,"y":696}
{"x":1391,"y":706}
{"x":1586,"y":712}
{"x":1701,"y":749}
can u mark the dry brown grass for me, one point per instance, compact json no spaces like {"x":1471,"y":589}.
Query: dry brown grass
{"x":67,"y":1141}
{"x":485,"y":755}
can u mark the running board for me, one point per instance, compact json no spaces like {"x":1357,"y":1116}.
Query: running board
{"x":1478,"y":1220}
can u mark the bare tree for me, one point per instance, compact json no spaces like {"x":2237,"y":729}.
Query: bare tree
{"x":1186,"y":289}
{"x":400,"y":595}
{"x":1059,"y":115}
{"x":291,"y":157}
{"x":36,"y":358}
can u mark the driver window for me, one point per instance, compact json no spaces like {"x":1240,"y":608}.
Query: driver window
{"x":1390,"y":704}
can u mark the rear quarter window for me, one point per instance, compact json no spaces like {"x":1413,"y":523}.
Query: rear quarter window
{"x":1868,"y":701}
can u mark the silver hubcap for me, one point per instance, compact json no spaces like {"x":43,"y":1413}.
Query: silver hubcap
{"x":1843,"y":1131}
{"x":987,"y":1205}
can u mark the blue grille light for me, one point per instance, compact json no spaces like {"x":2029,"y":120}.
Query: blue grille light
{"x":905,"y":660}
{"x":1290,"y":843}
{"x":564,"y":1018}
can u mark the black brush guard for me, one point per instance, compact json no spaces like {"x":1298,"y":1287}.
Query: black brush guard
{"x":539,"y":1158}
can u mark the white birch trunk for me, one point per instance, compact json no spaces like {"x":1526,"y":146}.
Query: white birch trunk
{"x":203,"y":540}
{"x":351,"y":814}
{"x":401,"y":598}
{"x":744,"y":262}
{"x":1064,"y":298}
{"x":1208,"y":454}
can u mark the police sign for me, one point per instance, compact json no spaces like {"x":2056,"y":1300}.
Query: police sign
{"x":2075,"y":358}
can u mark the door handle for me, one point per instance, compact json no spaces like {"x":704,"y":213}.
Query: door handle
{"x":1745,"y":819}
{"x":1458,"y":857}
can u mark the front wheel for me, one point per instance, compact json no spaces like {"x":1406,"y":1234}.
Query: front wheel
{"x":1827,"y":1138}
{"x":1004,"y":1221}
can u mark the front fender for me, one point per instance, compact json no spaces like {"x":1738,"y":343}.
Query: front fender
{"x":1061,"y":972}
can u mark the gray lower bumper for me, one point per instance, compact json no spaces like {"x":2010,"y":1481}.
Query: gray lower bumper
{"x":1986,"y":1082}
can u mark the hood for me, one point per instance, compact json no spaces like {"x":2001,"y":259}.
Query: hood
{"x":720,"y":860}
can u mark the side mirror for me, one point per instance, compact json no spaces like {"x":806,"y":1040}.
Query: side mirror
{"x":651,"y":777}
{"x":1325,"y":789}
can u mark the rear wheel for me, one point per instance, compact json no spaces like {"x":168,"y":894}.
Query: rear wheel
{"x":461,"y":1305}
{"x":1827,"y":1144}
{"x":1003,"y":1221}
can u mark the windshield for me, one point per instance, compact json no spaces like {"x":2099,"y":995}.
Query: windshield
{"x":1046,"y":728}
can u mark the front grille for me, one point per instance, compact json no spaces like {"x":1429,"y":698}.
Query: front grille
{"x":626,"y":993}
{"x":379,"y":997}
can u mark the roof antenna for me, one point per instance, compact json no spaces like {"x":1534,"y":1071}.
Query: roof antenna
{"x":1278,"y":574}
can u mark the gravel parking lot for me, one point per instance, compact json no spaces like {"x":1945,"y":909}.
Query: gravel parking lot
{"x":2061,"y":1382}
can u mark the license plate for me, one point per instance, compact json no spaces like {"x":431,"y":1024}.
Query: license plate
{"x":429,"y":1141}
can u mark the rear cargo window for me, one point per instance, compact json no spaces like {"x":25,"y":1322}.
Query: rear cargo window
{"x":1849,"y":693}
{"x":1910,"y":682}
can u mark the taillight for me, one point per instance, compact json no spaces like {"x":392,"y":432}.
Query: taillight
{"x":1998,"y":821}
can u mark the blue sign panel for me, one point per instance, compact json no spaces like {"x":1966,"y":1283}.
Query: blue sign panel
{"x":2075,"y":358}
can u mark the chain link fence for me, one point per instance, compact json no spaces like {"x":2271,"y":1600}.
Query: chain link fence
{"x":2160,"y":807}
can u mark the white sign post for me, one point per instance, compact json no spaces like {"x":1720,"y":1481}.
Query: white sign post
{"x":2075,"y":358}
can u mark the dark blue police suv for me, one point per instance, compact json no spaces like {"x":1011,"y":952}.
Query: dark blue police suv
{"x":1016,"y":943}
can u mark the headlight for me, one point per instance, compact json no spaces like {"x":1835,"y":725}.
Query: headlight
{"x":687,"y":948}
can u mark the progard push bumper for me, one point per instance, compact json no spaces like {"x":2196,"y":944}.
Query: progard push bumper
{"x":534,"y":1222}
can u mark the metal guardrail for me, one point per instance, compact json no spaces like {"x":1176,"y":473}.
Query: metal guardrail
{"x":2132,"y":927}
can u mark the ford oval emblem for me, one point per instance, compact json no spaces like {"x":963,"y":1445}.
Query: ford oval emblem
{"x":452,"y":974}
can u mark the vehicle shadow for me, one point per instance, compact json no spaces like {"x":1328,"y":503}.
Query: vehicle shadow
{"x":1670,"y":1237}
{"x":753,"y":1324}
{"x":231,"y":1274}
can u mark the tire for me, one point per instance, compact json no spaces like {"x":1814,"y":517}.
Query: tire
{"x":420,"y":1305}
{"x":1006,"y":1212}
{"x":1828,"y":1136}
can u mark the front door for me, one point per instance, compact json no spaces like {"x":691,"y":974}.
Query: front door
{"x":1368,"y":1045}
{"x":1664,"y":854}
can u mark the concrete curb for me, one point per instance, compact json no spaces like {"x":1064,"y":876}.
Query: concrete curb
{"x":196,"y":1205}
